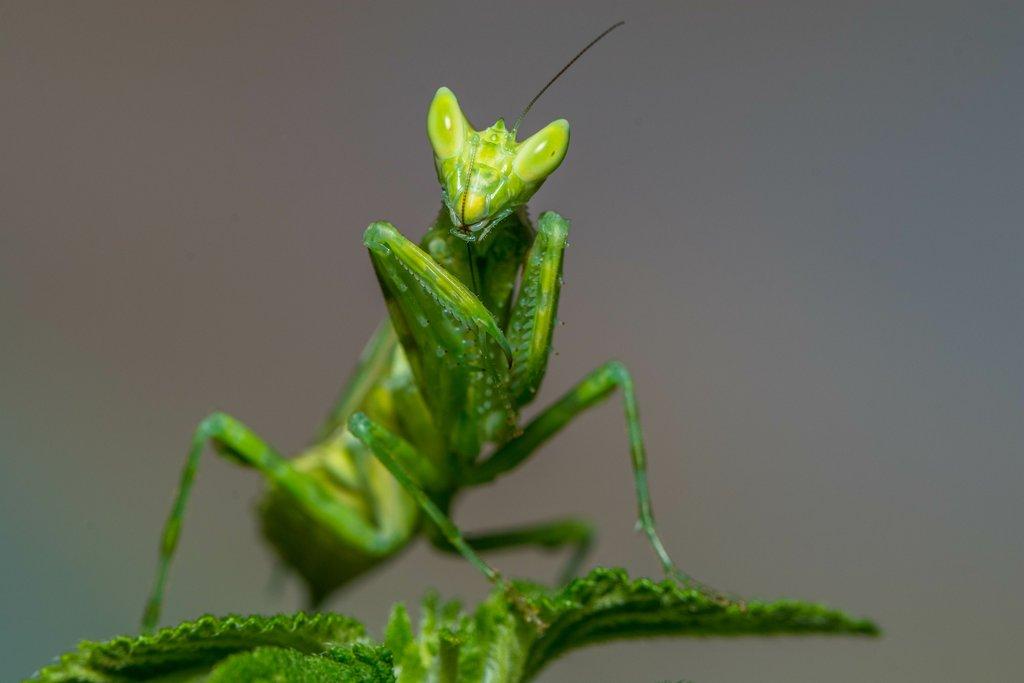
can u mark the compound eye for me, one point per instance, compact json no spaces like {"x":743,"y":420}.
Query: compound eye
{"x":446,"y":125}
{"x":542,"y":152}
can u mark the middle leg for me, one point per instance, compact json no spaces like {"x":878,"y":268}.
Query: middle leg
{"x":593,"y":389}
{"x":573,"y":533}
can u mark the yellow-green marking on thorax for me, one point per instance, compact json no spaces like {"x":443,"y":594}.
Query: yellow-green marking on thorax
{"x":486,"y":174}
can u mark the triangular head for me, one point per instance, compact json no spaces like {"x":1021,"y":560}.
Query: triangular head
{"x":485,"y":175}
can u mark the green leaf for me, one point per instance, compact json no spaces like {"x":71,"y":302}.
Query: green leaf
{"x":607,"y":605}
{"x":520,"y":629}
{"x":278,"y":665}
{"x":398,"y":635}
{"x":509,"y":638}
{"x":495,"y":641}
{"x":434,"y":654}
{"x":364,"y":663}
{"x":192,"y":648}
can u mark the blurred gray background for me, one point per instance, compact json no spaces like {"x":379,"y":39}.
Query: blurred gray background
{"x":798,"y":223}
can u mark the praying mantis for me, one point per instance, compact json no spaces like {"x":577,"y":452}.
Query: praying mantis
{"x":465,"y":347}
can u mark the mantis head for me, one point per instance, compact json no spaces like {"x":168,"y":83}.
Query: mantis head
{"x":486,"y":174}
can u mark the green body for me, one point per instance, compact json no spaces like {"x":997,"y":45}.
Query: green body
{"x":471,"y":313}
{"x":471,"y":396}
{"x":458,"y":356}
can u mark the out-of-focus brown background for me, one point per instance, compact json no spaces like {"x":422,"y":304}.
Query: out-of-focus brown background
{"x":799,"y":224}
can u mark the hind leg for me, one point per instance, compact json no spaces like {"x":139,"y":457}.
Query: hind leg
{"x":233,"y":440}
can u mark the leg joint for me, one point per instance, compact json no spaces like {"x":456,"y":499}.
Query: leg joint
{"x":378,"y":234}
{"x":213,"y":423}
{"x":618,"y":371}
{"x":554,"y":228}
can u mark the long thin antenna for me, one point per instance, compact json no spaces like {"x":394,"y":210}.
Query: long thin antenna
{"x":565,"y":68}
